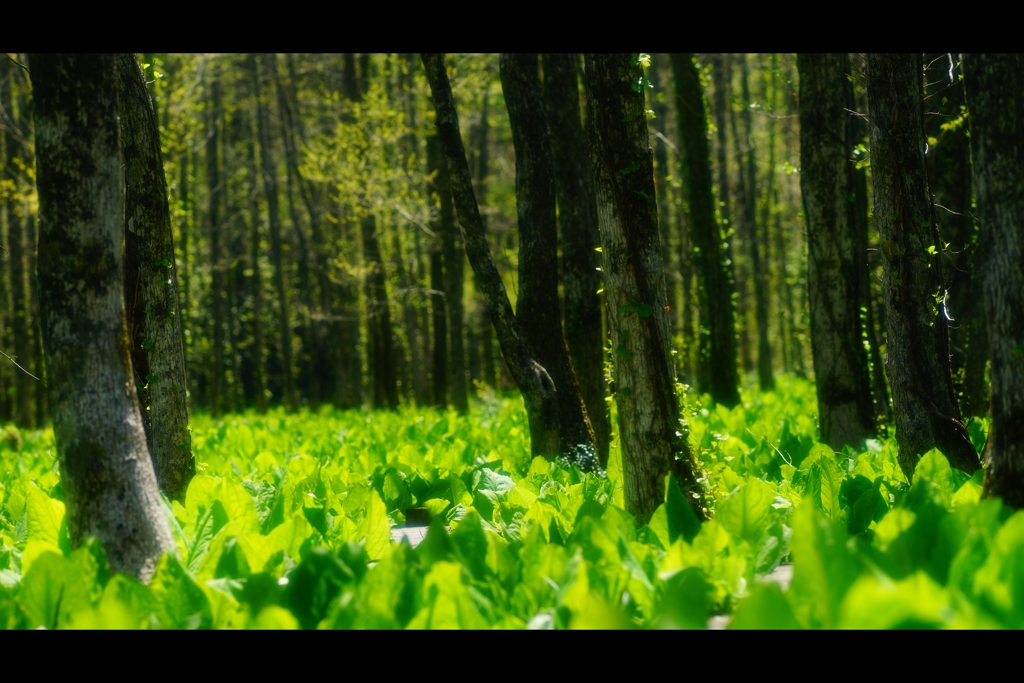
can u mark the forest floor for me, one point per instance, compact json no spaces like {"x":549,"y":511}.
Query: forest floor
{"x":800,"y":536}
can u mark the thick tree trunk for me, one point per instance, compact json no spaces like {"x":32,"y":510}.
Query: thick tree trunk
{"x":713,"y":261}
{"x":836,"y":255}
{"x":537,"y":307}
{"x":651,"y":430}
{"x":994,"y":85}
{"x":534,"y":383}
{"x":110,"y":488}
{"x":927,"y":413}
{"x":760,"y":274}
{"x":215,"y":189}
{"x":378,"y":320}
{"x":154,"y":336}
{"x":269,"y":172}
{"x":577,"y":218}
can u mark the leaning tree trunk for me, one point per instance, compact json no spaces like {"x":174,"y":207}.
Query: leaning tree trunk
{"x":538,"y":307}
{"x":107,"y":476}
{"x":718,"y":312}
{"x":534,"y":383}
{"x":994,"y":85}
{"x":577,"y":218}
{"x":158,"y":356}
{"x":835,"y":264}
{"x":926,"y":409}
{"x":651,"y":430}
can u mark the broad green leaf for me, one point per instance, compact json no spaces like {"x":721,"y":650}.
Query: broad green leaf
{"x":375,"y":527}
{"x":875,"y":602}
{"x":765,"y":608}
{"x":448,"y":603}
{"x":181,"y":602}
{"x":274,"y":618}
{"x":682,"y":521}
{"x":44,"y":516}
{"x":685,"y":601}
{"x":823,"y":568}
{"x":747,"y":513}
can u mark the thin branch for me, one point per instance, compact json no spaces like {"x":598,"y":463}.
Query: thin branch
{"x":21,"y":368}
{"x":26,"y":71}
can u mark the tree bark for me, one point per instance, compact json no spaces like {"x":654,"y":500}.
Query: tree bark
{"x":487,"y":365}
{"x":534,"y":383}
{"x":17,"y":220}
{"x":718,"y":313}
{"x":760,"y":274}
{"x":452,"y":258}
{"x":651,"y":430}
{"x":577,"y":218}
{"x":215,"y":188}
{"x":110,"y":488}
{"x":256,"y":281}
{"x":158,"y":357}
{"x":537,"y":307}
{"x":269,"y":172}
{"x":378,"y":320}
{"x":836,"y":255}
{"x":994,"y":84}
{"x":926,"y":409}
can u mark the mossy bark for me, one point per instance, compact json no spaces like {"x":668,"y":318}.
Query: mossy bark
{"x":534,"y":383}
{"x":151,"y":287}
{"x":994,"y":86}
{"x":110,"y":488}
{"x":836,"y":255}
{"x":917,"y":362}
{"x":651,"y":432}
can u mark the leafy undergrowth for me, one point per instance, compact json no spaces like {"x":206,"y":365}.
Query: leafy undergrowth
{"x":288,"y":525}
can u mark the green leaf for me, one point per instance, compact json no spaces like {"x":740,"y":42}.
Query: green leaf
{"x":747,"y":513}
{"x":317,"y":580}
{"x":685,"y":601}
{"x":682,"y":521}
{"x":765,"y":608}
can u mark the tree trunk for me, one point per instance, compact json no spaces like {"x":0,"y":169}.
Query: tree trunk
{"x":269,"y":172}
{"x":836,"y":260}
{"x":154,"y":323}
{"x":927,"y":413}
{"x":17,"y":220}
{"x":651,"y":430}
{"x":760,"y":274}
{"x":256,"y":281}
{"x":949,"y":159}
{"x":713,"y":259}
{"x":378,"y":320}
{"x":486,"y":332}
{"x":577,"y":218}
{"x":437,"y":169}
{"x":994,"y":84}
{"x":537,"y":307}
{"x":452,"y":257}
{"x":215,"y":189}
{"x":110,"y":488}
{"x":534,"y":383}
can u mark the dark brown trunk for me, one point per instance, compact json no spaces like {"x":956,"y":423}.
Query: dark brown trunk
{"x":269,"y":172}
{"x":651,"y":430}
{"x":577,"y":218}
{"x":437,"y":167}
{"x":485,"y":331}
{"x":836,"y":253}
{"x":214,"y":182}
{"x":536,"y":385}
{"x":711,"y":250}
{"x":927,"y":413}
{"x":109,"y":485}
{"x":994,"y":84}
{"x":151,"y":294}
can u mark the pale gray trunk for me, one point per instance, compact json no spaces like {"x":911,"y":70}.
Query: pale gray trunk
{"x":109,"y":484}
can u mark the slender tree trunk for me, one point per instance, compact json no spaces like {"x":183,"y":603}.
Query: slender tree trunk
{"x":713,"y":260}
{"x":650,"y":426}
{"x":215,"y":188}
{"x":17,"y":220}
{"x":378,"y":319}
{"x":760,"y":275}
{"x":110,"y":488}
{"x":6,"y":172}
{"x":534,"y":383}
{"x":836,"y":269}
{"x":537,"y":307}
{"x":577,"y":217}
{"x":155,"y":336}
{"x":927,"y":413}
{"x":950,"y":166}
{"x":256,"y":281}
{"x":269,"y":172}
{"x":994,"y":83}
{"x":453,"y":278}
{"x":486,"y":332}
{"x":437,"y":168}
